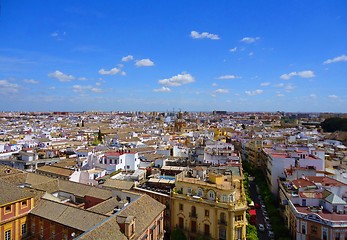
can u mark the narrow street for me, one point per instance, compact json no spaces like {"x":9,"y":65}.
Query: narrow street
{"x":263,"y":235}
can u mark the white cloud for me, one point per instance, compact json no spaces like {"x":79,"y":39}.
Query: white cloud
{"x":196,"y":35}
{"x":54,"y":34}
{"x":6,"y":87}
{"x":264,"y":84}
{"x":82,"y":89}
{"x":280,"y":95}
{"x":313,"y":95}
{"x":112,"y":71}
{"x":162,"y":89}
{"x":58,"y":35}
{"x":302,"y":74}
{"x":82,"y":78}
{"x":214,"y":84}
{"x":280,"y":85}
{"x":62,"y":77}
{"x":255,"y":92}
{"x":96,"y":90}
{"x":222,"y":90}
{"x":251,"y":54}
{"x":233,"y":49}
{"x":333,"y":96}
{"x":178,"y":80}
{"x":98,"y":83}
{"x":249,"y":39}
{"x":342,"y":58}
{"x":127,"y":58}
{"x":144,"y":63}
{"x":31,"y":81}
{"x":289,"y":88}
{"x":225,"y":77}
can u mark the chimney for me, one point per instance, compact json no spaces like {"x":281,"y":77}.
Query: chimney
{"x":127,"y":225}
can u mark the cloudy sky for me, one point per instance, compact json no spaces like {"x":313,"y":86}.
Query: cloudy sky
{"x":114,"y":55}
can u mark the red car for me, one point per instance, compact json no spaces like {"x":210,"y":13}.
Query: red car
{"x":257,"y":206}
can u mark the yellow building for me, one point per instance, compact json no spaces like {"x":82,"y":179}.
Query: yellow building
{"x":15,"y":204}
{"x":211,"y":203}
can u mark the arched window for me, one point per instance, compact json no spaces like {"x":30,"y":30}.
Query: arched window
{"x":199,"y":192}
{"x":222,"y":216}
{"x":211,"y":195}
{"x":193,"y":210}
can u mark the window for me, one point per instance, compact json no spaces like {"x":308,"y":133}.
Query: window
{"x":41,"y":231}
{"x":193,"y":226}
{"x":8,"y":235}
{"x":53,"y":235}
{"x":207,"y":229}
{"x":8,"y":209}
{"x":337,"y":236}
{"x":132,"y":229}
{"x":313,"y":229}
{"x":325,"y":234}
{"x":303,"y":229}
{"x":211,"y":195}
{"x":199,"y":192}
{"x":193,"y":210}
{"x":303,"y":202}
{"x":151,"y":235}
{"x":159,"y":227}
{"x":222,"y":233}
{"x":180,"y":222}
{"x":24,"y":203}
{"x":238,"y":218}
{"x":24,"y":229}
{"x":189,"y":190}
{"x":222,"y":216}
{"x":181,"y":207}
{"x":224,"y":198}
{"x":207,"y":213}
{"x":33,"y":228}
{"x":239,"y":233}
{"x":128,"y":199}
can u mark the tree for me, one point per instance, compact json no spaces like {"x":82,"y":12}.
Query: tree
{"x":99,"y":136}
{"x":178,"y":234}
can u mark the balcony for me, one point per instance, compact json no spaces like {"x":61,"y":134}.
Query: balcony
{"x":222,"y":222}
{"x":193,"y":215}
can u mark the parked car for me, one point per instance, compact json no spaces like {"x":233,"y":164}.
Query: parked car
{"x":267,"y":220}
{"x":271,"y":235}
{"x":261,"y":227}
{"x":257,"y":205}
{"x":264,"y":212}
{"x":268,"y":226}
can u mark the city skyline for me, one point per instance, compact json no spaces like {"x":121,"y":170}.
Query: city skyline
{"x":156,"y":56}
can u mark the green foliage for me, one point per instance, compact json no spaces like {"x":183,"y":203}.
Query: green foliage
{"x":334,"y":124}
{"x":178,"y":234}
{"x":99,"y":136}
{"x":252,"y":233}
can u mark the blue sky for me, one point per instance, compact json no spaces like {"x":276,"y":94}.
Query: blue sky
{"x":159,"y":55}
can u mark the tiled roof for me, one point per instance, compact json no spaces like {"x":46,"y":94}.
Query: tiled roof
{"x":82,"y":190}
{"x":105,"y":207}
{"x":118,"y":184}
{"x":325,"y":181}
{"x":56,"y":170}
{"x":11,"y":193}
{"x":145,"y":209}
{"x":106,"y":230}
{"x":67,"y":215}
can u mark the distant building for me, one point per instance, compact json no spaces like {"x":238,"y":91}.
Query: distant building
{"x":210,"y":203}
